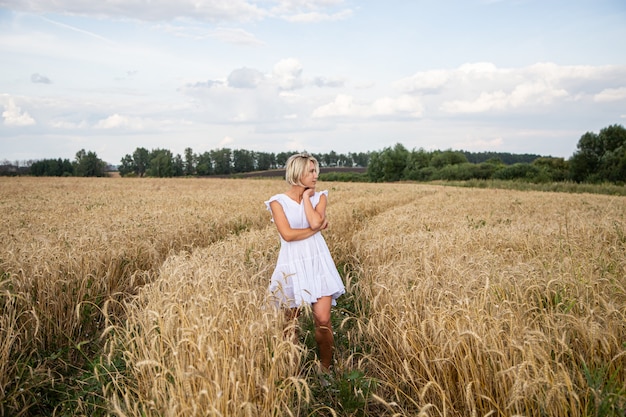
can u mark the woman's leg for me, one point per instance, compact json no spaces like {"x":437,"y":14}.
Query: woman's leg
{"x":324,"y":331}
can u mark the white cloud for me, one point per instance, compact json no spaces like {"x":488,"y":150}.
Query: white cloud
{"x":205,"y":10}
{"x":310,"y":11}
{"x":209,"y":10}
{"x":295,"y":144}
{"x":535,"y":92}
{"x":313,"y":17}
{"x":63,"y":124}
{"x":496,"y":100}
{"x":247,"y":97}
{"x":342,"y":106}
{"x":242,"y":118}
{"x":137,"y":124}
{"x":526,"y":94}
{"x":117,"y":121}
{"x":288,"y":74}
{"x":286,"y":77}
{"x":194,"y":88}
{"x":295,"y":7}
{"x":13,"y":114}
{"x":289,"y":95}
{"x":40,"y":79}
{"x":329,"y":82}
{"x":346,"y":106}
{"x":479,"y":69}
{"x":483,"y":87}
{"x":245,"y":78}
{"x":192,"y":30}
{"x":226,"y":141}
{"x":611,"y":94}
{"x":423,"y":81}
{"x":472,"y":88}
{"x":235,"y":36}
{"x":285,"y":5}
{"x":397,"y":106}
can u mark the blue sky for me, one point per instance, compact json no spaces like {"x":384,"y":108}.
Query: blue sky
{"x":520,"y":76}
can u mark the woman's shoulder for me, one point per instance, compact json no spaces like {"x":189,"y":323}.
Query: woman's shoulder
{"x":319,"y":194}
{"x":276,"y":197}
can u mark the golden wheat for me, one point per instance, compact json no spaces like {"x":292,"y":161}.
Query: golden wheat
{"x":493,"y":302}
{"x":463,"y":301}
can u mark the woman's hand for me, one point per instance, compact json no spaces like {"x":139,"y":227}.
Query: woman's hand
{"x":284,"y":228}
{"x":308,"y":192}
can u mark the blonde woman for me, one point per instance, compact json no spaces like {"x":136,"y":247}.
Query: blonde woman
{"x":305,"y":271}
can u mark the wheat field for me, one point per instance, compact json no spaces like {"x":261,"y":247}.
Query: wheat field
{"x":147,"y":297}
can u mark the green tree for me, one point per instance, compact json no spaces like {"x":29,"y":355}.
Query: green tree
{"x":137,"y":163}
{"x":332,"y":159}
{"x":178,"y":166}
{"x":416,"y":162}
{"x":67,"y":169}
{"x":205,"y":164}
{"x":463,"y":172}
{"x":243,"y":161}
{"x":586,"y":160}
{"x":141,"y":158}
{"x":343,"y":160}
{"x":555,"y":169}
{"x":265,"y":161}
{"x":519,"y":171}
{"x":161,"y":163}
{"x":281,"y":158}
{"x":394,"y":162}
{"x":375,"y":167}
{"x":360,"y":159}
{"x":89,"y":165}
{"x":600,"y":157}
{"x":222,"y":161}
{"x":127,"y":166}
{"x":190,"y":162}
{"x":440,"y":159}
{"x":613,"y":160}
{"x":388,"y":165}
{"x":505,"y":157}
{"x":52,"y":168}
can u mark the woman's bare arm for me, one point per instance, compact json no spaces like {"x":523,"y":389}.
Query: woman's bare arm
{"x":315,"y":216}
{"x":284,"y":228}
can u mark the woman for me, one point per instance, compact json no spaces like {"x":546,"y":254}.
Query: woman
{"x":305,"y":272}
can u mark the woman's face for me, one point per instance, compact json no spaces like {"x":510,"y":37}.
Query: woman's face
{"x":309,"y":179}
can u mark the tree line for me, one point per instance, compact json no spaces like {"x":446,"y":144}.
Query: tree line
{"x":86,"y":164}
{"x":224,"y":161}
{"x":600,"y":157}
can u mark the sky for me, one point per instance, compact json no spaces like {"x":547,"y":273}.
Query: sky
{"x":518,"y":76}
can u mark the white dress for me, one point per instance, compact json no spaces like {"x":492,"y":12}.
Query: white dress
{"x":305,"y":270}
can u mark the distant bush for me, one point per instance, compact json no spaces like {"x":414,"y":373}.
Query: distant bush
{"x":52,"y":168}
{"x":345,"y":176}
{"x":463,"y":172}
{"x":561,"y":187}
{"x":600,"y":157}
{"x":519,"y":171}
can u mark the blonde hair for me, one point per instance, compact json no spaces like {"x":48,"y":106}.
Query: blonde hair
{"x":297,"y":166}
